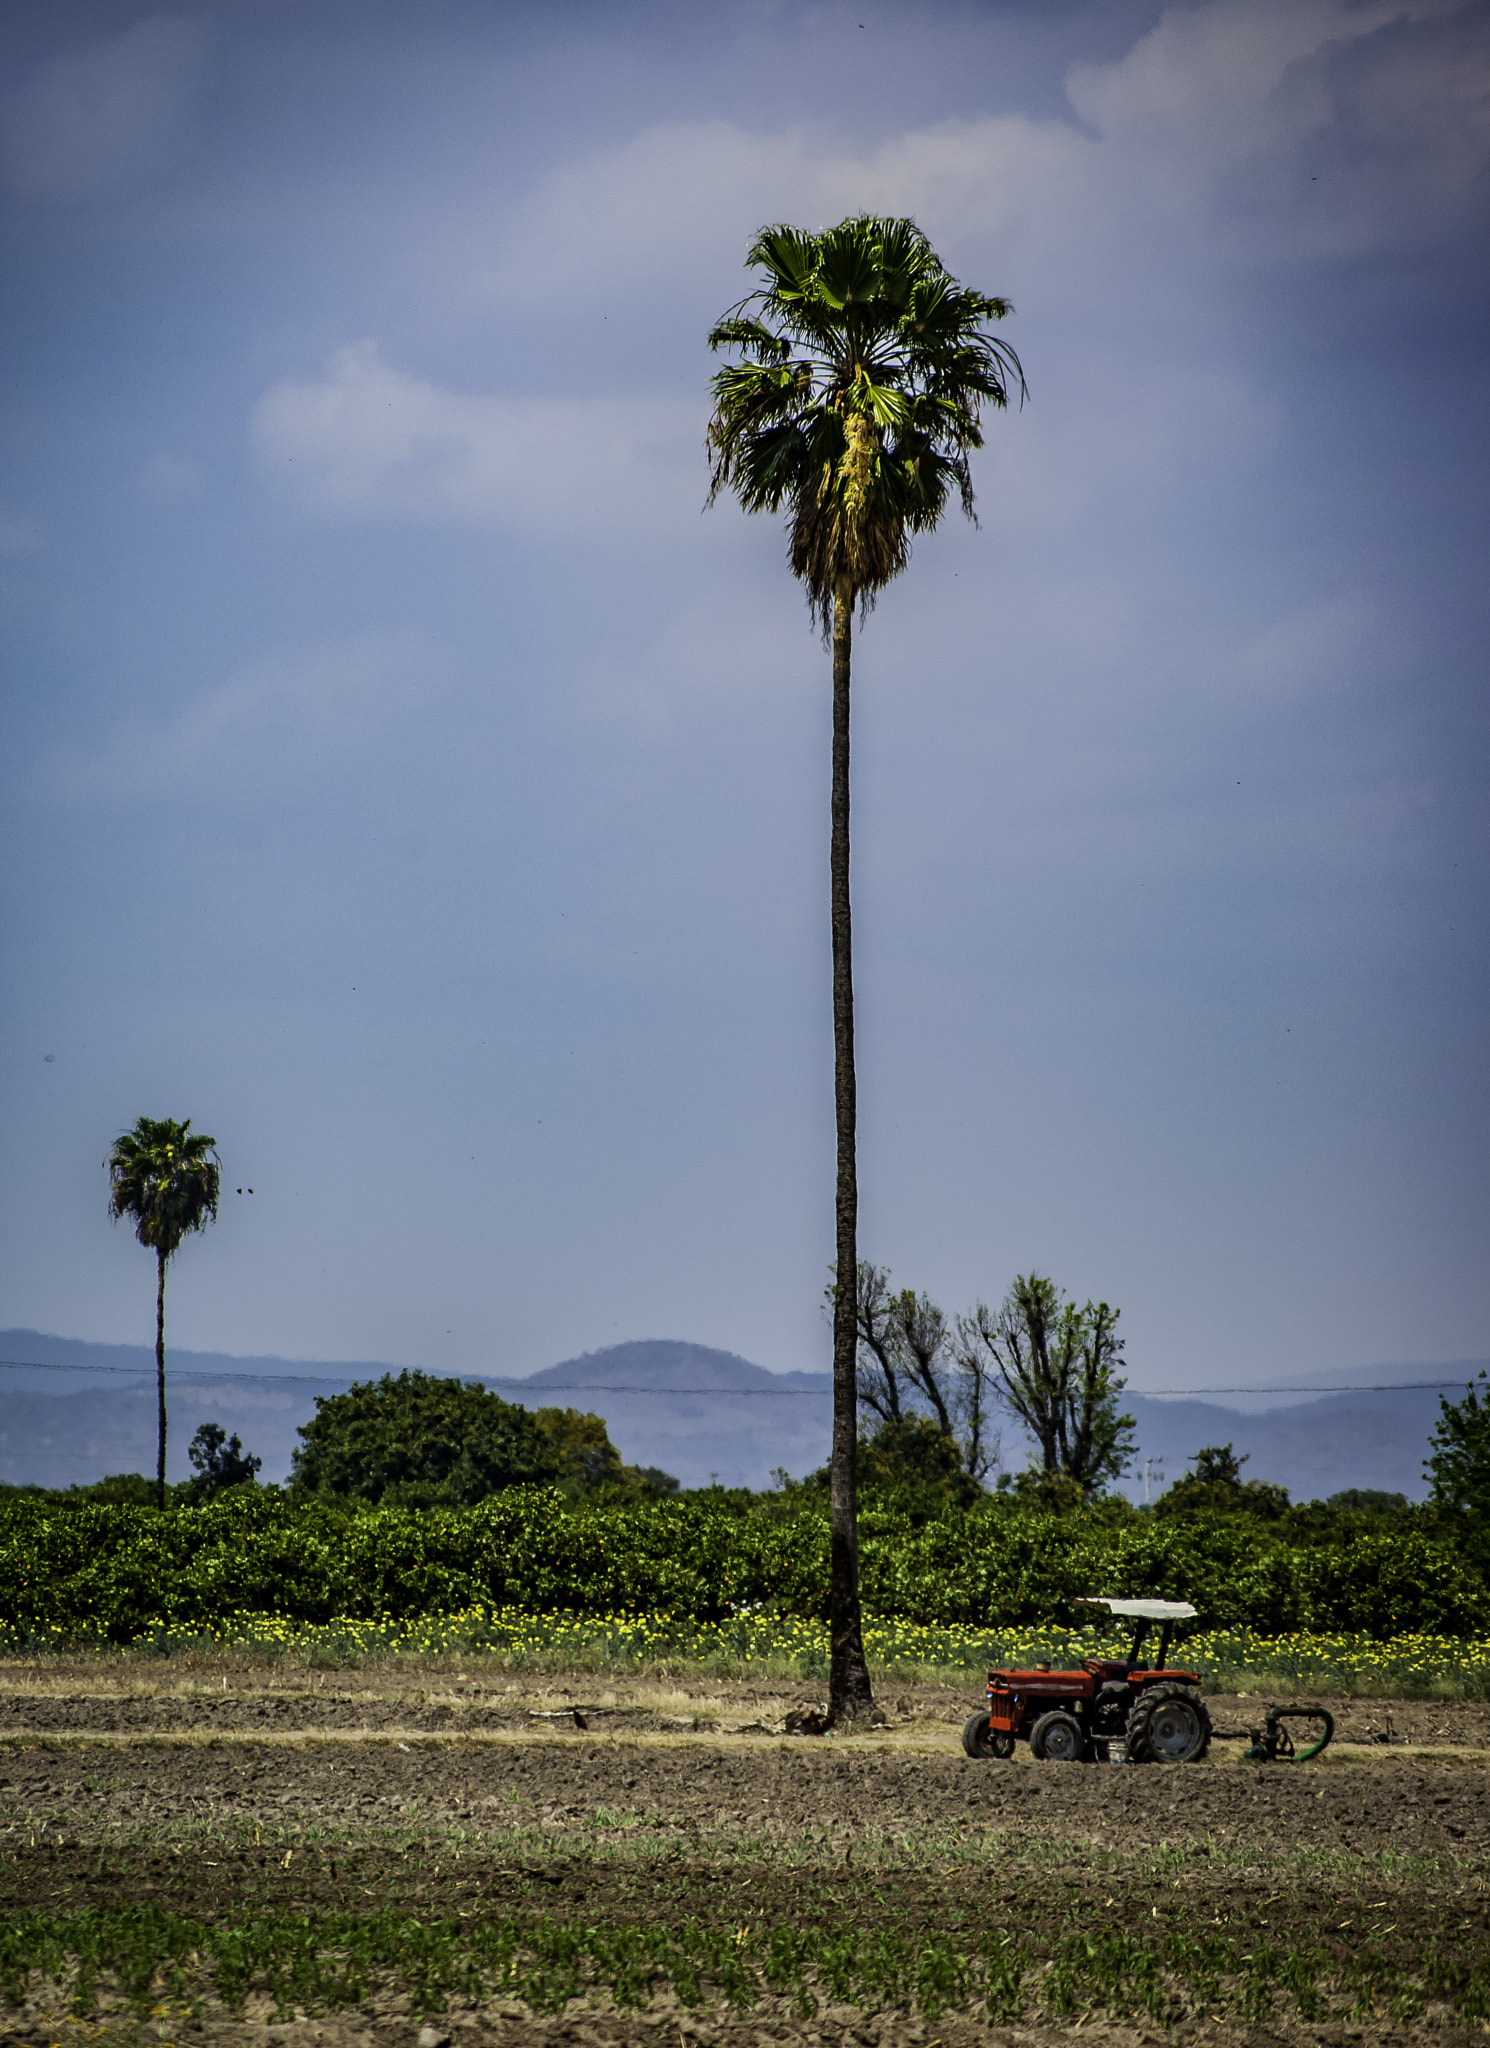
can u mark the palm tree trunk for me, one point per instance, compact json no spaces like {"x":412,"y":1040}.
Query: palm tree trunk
{"x":160,"y":1379}
{"x":848,"y":1680}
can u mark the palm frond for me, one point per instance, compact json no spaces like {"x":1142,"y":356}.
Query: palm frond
{"x":789,"y":258}
{"x":751,"y":335}
{"x":865,"y":367}
{"x":166,"y":1178}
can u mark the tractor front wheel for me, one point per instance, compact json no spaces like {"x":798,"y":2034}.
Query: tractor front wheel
{"x":1169,"y":1725}
{"x":1056,"y":1738}
{"x":982,"y":1742}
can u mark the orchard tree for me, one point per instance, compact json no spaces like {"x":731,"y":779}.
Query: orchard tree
{"x":854,"y":405}
{"x":424,"y":1441}
{"x":1215,"y":1482}
{"x":165,"y":1178}
{"x":416,"y":1440}
{"x":219,"y":1461}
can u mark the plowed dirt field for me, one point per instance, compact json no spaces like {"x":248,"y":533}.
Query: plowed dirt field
{"x":427,"y":1810}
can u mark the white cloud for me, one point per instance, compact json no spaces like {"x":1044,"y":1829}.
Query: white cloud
{"x":20,"y":536}
{"x":1236,"y":114}
{"x":1231,"y":134}
{"x":368,"y":442}
{"x":682,"y":198}
{"x":104,"y":121}
{"x":1212,"y":127}
{"x":1202,"y":77}
{"x":304,"y":709}
{"x":1399,"y":152}
{"x":169,"y":480}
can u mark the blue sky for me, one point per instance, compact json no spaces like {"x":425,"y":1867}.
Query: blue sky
{"x":405,"y":779}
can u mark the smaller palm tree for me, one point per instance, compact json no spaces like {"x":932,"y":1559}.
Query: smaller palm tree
{"x":165,"y":1178}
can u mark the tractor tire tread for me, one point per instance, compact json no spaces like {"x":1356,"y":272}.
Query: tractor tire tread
{"x":1058,"y":1715}
{"x":980,"y":1742}
{"x":1145,"y":1709}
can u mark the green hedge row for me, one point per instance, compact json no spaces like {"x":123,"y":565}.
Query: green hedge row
{"x":120,"y":1573}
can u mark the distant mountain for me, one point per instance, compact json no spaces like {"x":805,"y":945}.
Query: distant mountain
{"x":1290,"y":1390}
{"x":56,"y":1439}
{"x":33,"y":1359}
{"x":70,"y":1412}
{"x":696,"y":1412}
{"x":669,"y":1366}
{"x":1315,"y":1449}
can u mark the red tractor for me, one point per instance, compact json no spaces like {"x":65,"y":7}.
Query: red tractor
{"x":1117,"y":1710}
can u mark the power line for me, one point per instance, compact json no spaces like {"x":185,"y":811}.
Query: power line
{"x":342,"y":1380}
{"x":139,"y":1371}
{"x":693,"y":1393}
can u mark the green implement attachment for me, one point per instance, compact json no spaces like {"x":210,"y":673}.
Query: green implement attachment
{"x":1273,"y":1744}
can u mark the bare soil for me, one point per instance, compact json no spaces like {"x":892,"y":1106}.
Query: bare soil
{"x":130,"y":1697}
{"x":287,"y":1791}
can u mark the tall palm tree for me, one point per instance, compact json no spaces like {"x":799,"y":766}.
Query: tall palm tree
{"x":165,"y":1178}
{"x":854,"y":405}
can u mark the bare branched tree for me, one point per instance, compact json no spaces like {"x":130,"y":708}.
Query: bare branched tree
{"x":879,"y":1363}
{"x":975,"y":1382}
{"x":920,"y":1337}
{"x":913,"y":1360}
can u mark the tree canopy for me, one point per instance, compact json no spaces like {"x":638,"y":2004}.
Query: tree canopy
{"x":1215,"y":1483}
{"x":218,"y":1461}
{"x":1055,"y":1368}
{"x":1458,"y":1465}
{"x":165,"y":1178}
{"x":855,"y":405}
{"x":412,"y":1439}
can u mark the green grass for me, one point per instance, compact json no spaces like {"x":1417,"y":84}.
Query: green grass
{"x":144,"y":1954}
{"x":619,"y":1836}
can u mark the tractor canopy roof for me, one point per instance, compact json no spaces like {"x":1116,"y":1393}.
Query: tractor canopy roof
{"x":1146,"y":1610}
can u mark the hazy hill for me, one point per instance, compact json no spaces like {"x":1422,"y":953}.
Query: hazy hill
{"x":696,"y":1411}
{"x":692,"y":1410}
{"x":81,"y":1410}
{"x":1315,"y":1449}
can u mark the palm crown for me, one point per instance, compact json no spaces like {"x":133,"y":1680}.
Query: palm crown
{"x":165,"y":1177}
{"x":857,"y":400}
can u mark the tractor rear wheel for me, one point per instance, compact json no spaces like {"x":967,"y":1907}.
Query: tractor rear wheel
{"x":982,"y":1742}
{"x":1169,"y":1725}
{"x":1057,"y":1738}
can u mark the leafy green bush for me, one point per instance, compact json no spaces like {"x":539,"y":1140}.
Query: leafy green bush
{"x":1459,"y":1464}
{"x":1216,"y":1485}
{"x":423,"y":1440}
{"x":120,"y":1573}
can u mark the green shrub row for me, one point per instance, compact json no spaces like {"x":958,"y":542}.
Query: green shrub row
{"x":118,"y":1573}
